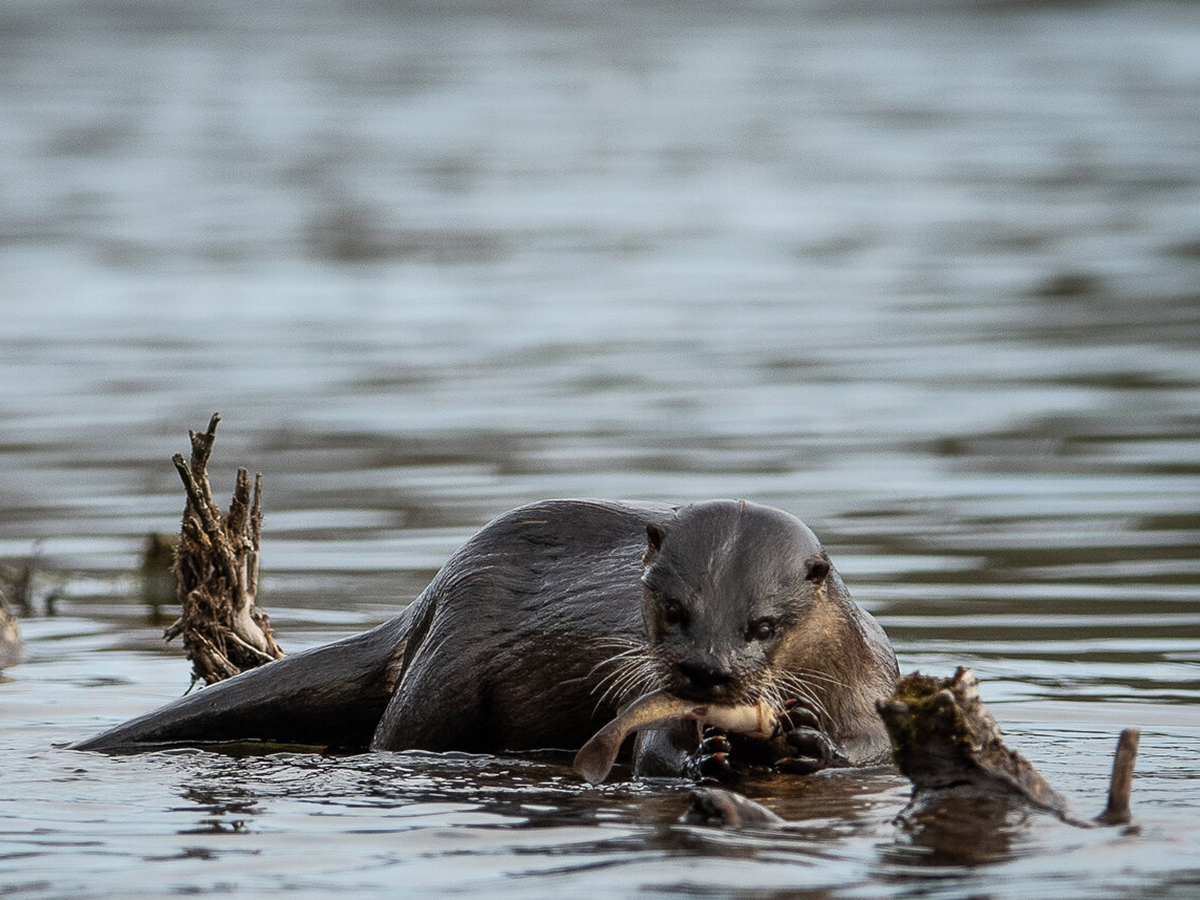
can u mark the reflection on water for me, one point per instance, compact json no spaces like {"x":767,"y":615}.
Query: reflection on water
{"x":923,"y":274}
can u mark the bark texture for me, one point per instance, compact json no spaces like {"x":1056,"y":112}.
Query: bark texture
{"x":216,"y":564}
{"x":947,"y":744}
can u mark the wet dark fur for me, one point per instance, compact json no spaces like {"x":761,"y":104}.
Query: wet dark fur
{"x":532,"y":636}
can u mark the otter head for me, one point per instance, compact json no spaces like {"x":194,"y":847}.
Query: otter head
{"x":729,"y":591}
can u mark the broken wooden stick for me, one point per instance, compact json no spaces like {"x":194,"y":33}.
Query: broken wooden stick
{"x":216,"y":564}
{"x":1121,"y":784}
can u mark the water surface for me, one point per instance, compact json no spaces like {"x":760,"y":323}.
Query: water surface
{"x":922,"y":274}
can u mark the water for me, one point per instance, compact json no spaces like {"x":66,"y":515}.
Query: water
{"x":923,"y":274}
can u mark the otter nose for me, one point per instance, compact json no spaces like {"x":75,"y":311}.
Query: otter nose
{"x":705,"y":672}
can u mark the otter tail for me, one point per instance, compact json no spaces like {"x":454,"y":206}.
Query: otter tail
{"x":330,"y":696}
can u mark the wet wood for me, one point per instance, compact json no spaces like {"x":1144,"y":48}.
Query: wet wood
{"x":10,"y":634}
{"x":1121,"y":784}
{"x":216,"y":565}
{"x":947,"y":744}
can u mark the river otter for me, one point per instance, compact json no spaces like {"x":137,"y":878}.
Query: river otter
{"x":537,"y":631}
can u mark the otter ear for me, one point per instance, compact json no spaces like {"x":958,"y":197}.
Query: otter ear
{"x":655,"y":535}
{"x":816,"y":569}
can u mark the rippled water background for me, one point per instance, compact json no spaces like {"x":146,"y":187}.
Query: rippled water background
{"x":924,"y":274}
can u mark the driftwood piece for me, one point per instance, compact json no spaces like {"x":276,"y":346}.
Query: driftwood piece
{"x":10,"y":635}
{"x":948,"y":745}
{"x":216,"y":564}
{"x":1121,"y":785}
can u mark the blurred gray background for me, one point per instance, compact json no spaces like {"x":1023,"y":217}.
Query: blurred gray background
{"x":908,"y":270}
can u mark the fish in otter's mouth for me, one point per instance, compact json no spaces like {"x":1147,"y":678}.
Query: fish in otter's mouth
{"x":595,"y":759}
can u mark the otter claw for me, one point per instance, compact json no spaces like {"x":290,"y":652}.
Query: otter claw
{"x":799,"y":765}
{"x":801,"y":729}
{"x":814,"y":751}
{"x":710,"y":763}
{"x":796,"y":716}
{"x":801,"y":745}
{"x":714,"y":743}
{"x":714,"y":769}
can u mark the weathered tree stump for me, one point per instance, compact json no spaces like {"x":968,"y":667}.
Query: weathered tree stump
{"x":216,"y":564}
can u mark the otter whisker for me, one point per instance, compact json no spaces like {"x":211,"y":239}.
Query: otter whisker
{"x":634,"y":671}
{"x":618,"y":659}
{"x":625,"y":647}
{"x":805,"y":694}
{"x":617,"y":643}
{"x":814,"y":675}
{"x":637,"y":677}
{"x":617,"y":691}
{"x":617,"y":681}
{"x":795,"y":686}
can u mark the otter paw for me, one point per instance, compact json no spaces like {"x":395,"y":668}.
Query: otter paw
{"x":809,"y":748}
{"x":796,"y":715}
{"x":711,"y":763}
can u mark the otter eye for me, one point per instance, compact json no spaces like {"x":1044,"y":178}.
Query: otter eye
{"x":673,"y":612}
{"x":762,"y":630}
